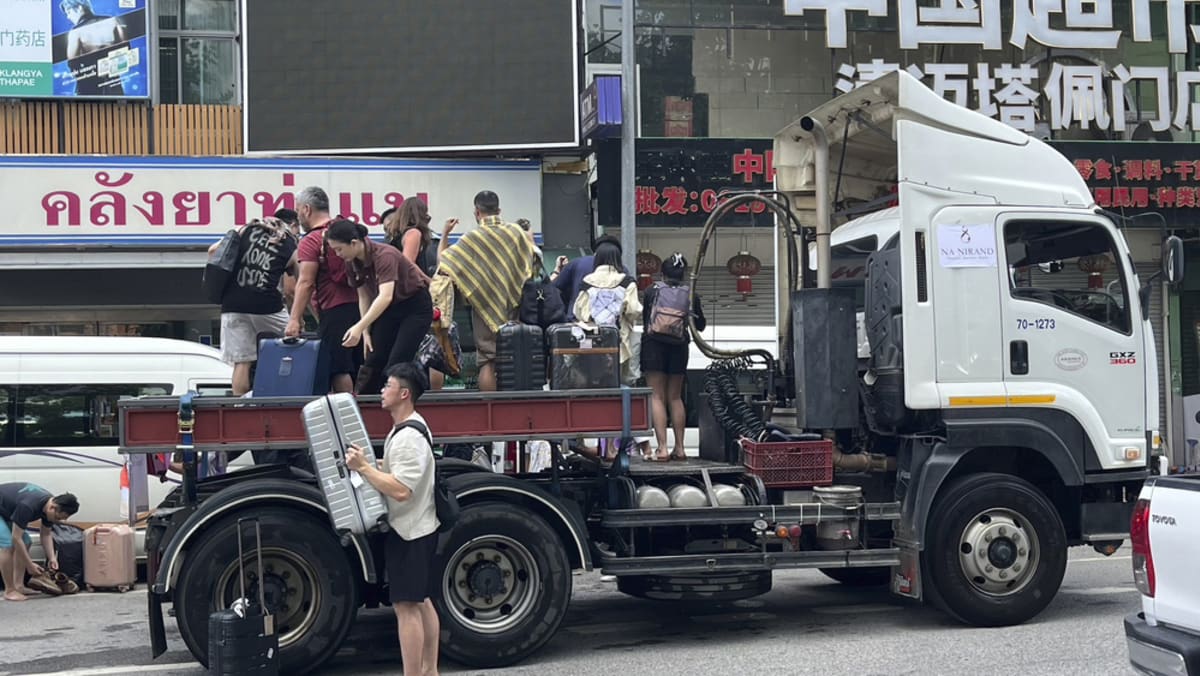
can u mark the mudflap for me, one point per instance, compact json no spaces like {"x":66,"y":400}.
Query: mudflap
{"x":158,"y":632}
{"x":906,"y":578}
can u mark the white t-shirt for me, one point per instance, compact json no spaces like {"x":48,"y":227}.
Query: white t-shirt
{"x":408,"y":457}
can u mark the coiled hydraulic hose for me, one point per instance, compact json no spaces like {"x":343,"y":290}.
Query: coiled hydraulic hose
{"x":728,"y":405}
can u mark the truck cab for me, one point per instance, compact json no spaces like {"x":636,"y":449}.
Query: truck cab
{"x":988,"y":366}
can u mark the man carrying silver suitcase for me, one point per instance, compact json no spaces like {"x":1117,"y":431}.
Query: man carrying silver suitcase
{"x":407,"y":482}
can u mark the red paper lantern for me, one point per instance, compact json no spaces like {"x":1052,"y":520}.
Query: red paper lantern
{"x":647,"y":266}
{"x":1094,"y":266}
{"x":744,"y":266}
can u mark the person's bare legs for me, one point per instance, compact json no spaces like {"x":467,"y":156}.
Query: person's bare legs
{"x":13,"y":582}
{"x":411,"y":627}
{"x":658,"y":410}
{"x":437,"y":379}
{"x":487,"y":377}
{"x":241,"y":378}
{"x":678,"y":414}
{"x":432,"y":627}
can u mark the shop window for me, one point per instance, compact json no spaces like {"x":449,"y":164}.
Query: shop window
{"x":1072,"y":266}
{"x":6,"y":417}
{"x":198,"y":55}
{"x":71,"y":415}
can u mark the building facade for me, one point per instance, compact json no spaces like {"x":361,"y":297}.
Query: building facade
{"x":1112,"y":84}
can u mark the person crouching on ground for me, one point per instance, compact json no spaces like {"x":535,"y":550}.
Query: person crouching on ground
{"x":407,"y":481}
{"x":393,"y":298}
{"x":20,"y":504}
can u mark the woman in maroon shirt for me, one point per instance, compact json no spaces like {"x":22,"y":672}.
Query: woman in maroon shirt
{"x":393,"y":297}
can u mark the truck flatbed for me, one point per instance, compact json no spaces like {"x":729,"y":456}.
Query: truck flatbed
{"x":151,"y":424}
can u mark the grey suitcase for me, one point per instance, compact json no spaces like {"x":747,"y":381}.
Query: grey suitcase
{"x":332,"y":424}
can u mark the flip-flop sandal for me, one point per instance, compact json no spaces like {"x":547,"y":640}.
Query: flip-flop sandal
{"x":678,"y":458}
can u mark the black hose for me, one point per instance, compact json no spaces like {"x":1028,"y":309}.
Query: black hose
{"x":729,"y":406}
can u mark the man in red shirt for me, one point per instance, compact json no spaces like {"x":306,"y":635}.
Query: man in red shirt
{"x":322,"y":280}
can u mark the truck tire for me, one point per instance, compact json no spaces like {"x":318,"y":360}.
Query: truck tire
{"x":711,"y":588}
{"x":505,"y":585}
{"x":874,"y":576}
{"x":996,"y":550}
{"x":312,"y":589}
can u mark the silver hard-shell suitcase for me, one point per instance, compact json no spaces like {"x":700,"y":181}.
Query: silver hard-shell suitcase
{"x":332,"y":424}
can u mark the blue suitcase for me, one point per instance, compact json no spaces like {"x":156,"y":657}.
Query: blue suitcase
{"x":287,"y":367}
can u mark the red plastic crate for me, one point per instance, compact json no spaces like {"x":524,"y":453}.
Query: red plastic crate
{"x":789,"y":464}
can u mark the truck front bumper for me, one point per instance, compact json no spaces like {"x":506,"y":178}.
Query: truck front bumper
{"x":1161,"y":650}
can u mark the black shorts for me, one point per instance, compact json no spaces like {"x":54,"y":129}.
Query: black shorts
{"x":334,"y":324}
{"x":660,"y":357}
{"x":411,"y":577}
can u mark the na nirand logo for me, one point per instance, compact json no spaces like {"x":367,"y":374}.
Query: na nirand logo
{"x":965,"y":235}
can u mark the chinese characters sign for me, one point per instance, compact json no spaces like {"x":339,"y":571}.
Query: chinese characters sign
{"x":1064,"y":24}
{"x":1141,"y":177}
{"x":678,"y":181}
{"x":1058,"y":95}
{"x":73,"y":48}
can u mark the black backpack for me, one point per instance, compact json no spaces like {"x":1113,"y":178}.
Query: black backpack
{"x":221,"y":266}
{"x":541,"y":303}
{"x":444,"y":500}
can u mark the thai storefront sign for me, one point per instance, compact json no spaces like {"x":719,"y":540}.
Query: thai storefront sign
{"x":180,"y":201}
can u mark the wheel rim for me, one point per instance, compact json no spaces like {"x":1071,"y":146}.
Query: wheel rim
{"x":998,"y":552}
{"x":292,"y":591}
{"x":491,"y":583}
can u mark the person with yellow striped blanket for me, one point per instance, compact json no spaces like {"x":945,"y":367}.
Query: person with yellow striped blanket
{"x":488,"y":266}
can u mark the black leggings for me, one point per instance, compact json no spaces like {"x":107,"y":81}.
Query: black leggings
{"x":396,"y":335}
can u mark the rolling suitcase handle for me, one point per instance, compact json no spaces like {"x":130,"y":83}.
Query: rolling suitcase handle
{"x":268,"y":622}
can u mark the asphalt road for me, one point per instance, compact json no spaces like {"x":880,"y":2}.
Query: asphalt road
{"x":806,"y":625}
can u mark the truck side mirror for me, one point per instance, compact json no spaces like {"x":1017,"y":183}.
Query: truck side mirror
{"x":1172,"y":260}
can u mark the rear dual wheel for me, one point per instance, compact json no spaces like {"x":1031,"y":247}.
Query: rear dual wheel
{"x":309,"y":584}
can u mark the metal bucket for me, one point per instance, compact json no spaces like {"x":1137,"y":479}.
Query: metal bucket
{"x":838,"y":533}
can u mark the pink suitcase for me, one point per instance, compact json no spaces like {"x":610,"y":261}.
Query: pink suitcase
{"x":108,"y":557}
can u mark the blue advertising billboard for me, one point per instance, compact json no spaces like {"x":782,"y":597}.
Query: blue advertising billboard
{"x":74,"y":49}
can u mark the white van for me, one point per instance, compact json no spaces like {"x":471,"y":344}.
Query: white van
{"x":58,"y":409}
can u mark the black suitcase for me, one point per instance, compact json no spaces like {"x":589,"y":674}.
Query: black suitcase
{"x":242,"y":638}
{"x":520,"y":357}
{"x":584,"y":357}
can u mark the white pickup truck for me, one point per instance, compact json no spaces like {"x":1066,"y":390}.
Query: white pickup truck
{"x":1164,"y":638}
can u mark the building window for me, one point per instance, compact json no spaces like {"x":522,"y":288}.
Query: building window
{"x":198,"y":54}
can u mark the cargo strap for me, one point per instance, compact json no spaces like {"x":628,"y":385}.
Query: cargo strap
{"x":187,"y":424}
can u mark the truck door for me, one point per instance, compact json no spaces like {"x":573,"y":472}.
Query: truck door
{"x":1072,"y":341}
{"x":966,"y":306}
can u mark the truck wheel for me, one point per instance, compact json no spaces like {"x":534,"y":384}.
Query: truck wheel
{"x":874,"y":576}
{"x":505,"y":586}
{"x":996,"y":550}
{"x":712,"y":588}
{"x":311,"y":588}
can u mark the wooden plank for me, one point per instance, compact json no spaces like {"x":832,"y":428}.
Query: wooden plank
{"x":6,"y":126}
{"x":71,"y":128}
{"x":162,"y":139}
{"x":141,"y":129}
{"x":55,"y":116}
{"x":206,"y":130}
